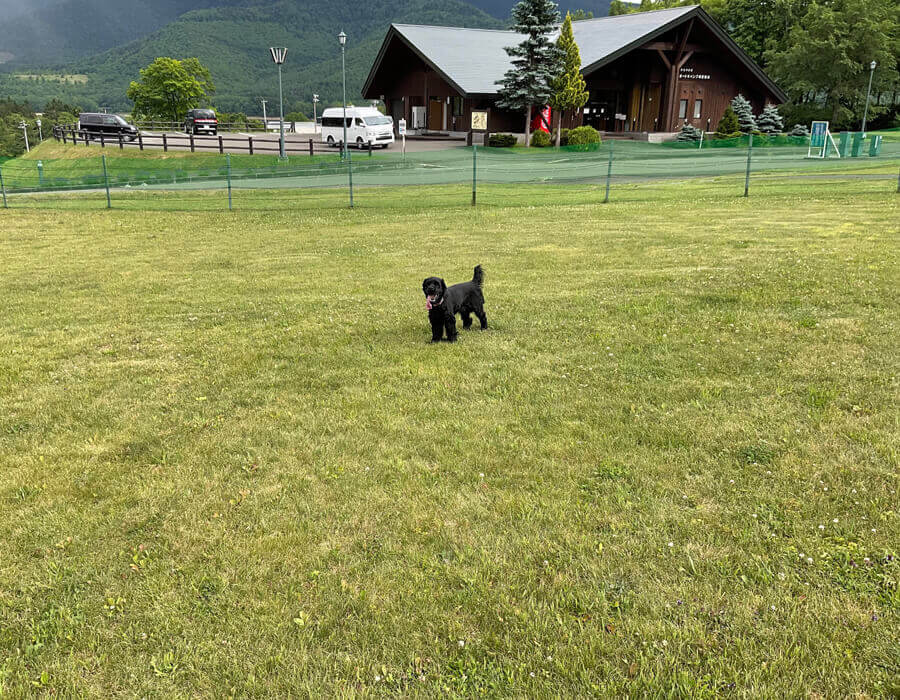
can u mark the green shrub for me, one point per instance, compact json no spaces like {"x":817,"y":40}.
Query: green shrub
{"x":501,"y":140}
{"x":564,"y":137}
{"x":540,"y":139}
{"x":583,"y":136}
{"x":689,"y":133}
{"x":728,"y":125}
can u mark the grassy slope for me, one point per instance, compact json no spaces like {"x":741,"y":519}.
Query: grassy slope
{"x":229,"y":462}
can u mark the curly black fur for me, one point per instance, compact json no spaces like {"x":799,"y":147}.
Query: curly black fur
{"x":445,"y":302}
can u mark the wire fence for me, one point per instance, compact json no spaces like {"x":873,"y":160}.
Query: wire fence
{"x":613,"y":171}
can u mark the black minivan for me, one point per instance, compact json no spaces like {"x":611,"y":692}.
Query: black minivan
{"x":93,"y":124}
{"x":201,"y":121}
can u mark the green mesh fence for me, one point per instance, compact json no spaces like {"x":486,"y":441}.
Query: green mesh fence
{"x":453,"y":176}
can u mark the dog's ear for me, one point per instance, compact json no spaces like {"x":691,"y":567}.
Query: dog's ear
{"x":424,"y":282}
{"x":443,"y":286}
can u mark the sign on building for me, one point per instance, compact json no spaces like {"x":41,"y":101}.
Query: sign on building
{"x":479,"y":120}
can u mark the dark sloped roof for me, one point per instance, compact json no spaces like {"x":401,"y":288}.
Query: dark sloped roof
{"x":473,"y":60}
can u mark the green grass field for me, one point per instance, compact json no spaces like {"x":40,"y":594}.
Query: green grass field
{"x":231,"y":464}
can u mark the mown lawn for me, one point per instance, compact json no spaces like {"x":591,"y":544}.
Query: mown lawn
{"x":231,"y":464}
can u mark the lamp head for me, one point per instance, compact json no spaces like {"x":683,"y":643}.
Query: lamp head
{"x":342,"y":38}
{"x":872,"y":65}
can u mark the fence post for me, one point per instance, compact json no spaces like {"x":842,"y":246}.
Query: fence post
{"x":310,"y":148}
{"x":747,"y":178}
{"x":121,"y":142}
{"x":370,"y":148}
{"x":350,"y":176}
{"x":165,"y":143}
{"x":87,"y":140}
{"x":192,"y":142}
{"x":106,"y":179}
{"x":474,"y":170}
{"x":228,"y":176}
{"x":608,"y":173}
{"x":250,"y":144}
{"x":141,"y":140}
{"x":221,"y":145}
{"x":3,"y":190}
{"x":102,"y":140}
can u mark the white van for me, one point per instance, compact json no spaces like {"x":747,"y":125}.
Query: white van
{"x":364,"y":124}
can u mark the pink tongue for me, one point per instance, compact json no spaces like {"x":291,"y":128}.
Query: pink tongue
{"x":428,"y":304}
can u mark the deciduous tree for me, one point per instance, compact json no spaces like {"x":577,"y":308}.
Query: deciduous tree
{"x":169,"y":87}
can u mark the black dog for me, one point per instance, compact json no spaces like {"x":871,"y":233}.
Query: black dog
{"x":443,"y":303}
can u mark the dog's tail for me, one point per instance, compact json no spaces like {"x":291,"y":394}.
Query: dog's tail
{"x":478,"y":277}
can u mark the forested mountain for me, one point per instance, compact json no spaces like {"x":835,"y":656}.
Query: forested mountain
{"x":62,"y":30}
{"x":233,"y":42}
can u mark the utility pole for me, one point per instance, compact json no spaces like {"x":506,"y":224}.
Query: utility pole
{"x":265,"y":122}
{"x":315,"y":116}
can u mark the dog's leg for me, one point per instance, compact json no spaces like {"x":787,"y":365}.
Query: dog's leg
{"x":437,"y":328}
{"x":450,"y":327}
{"x":466,"y":319}
{"x":482,"y":318}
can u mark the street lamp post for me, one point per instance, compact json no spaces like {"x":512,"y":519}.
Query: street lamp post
{"x":278,"y":58}
{"x":868,"y":92}
{"x":315,"y":119}
{"x":265,"y":117}
{"x":342,"y":38}
{"x":24,"y":127}
{"x":40,"y":130}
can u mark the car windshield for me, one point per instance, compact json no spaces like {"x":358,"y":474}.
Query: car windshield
{"x":377,"y":121}
{"x":205,"y":114}
{"x":121,"y":121}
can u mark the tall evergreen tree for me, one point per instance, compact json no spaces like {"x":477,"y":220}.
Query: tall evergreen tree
{"x":569,"y":89}
{"x":535,"y":61}
{"x":770,"y":121}
{"x":744,"y":112}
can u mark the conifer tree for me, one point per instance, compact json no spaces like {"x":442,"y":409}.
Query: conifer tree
{"x":536,"y":61}
{"x":744,"y":112}
{"x":728,"y":125}
{"x":770,"y":121}
{"x":569,"y":89}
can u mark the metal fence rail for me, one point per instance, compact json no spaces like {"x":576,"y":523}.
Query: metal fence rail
{"x":610,"y":172}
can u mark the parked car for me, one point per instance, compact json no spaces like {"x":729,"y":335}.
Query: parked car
{"x":364,"y":125}
{"x":93,"y":124}
{"x":201,"y":121}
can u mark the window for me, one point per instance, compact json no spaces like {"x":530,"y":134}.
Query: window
{"x":378,"y":121}
{"x":698,"y":105}
{"x":682,"y":109}
{"x":457,"y":106}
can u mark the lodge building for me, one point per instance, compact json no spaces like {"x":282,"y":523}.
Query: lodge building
{"x":645,"y":72}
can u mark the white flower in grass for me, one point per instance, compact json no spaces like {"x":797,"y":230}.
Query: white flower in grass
{"x":835,"y":520}
{"x":809,"y":560}
{"x":377,"y":678}
{"x":874,"y":530}
{"x":671,"y":544}
{"x":821,"y":527}
{"x":754,"y":515}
